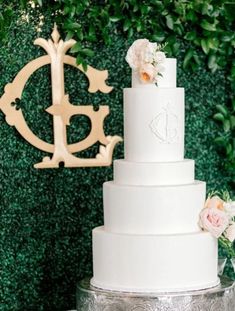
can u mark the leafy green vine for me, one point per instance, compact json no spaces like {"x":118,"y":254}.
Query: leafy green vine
{"x":206,"y":25}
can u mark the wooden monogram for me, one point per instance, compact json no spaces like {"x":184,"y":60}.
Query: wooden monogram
{"x":61,"y":109}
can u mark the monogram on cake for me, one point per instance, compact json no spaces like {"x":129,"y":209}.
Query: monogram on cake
{"x":151,"y":240}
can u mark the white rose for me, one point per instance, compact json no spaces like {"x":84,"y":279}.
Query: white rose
{"x":147,"y":54}
{"x":159,"y":57}
{"x":230,"y":208}
{"x":230,"y":232}
{"x":134,"y":53}
{"x":151,"y":47}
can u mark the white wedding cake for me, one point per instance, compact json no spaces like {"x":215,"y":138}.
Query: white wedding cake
{"x":151,"y":241}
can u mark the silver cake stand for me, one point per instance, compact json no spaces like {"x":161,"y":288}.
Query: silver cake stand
{"x":220,"y":298}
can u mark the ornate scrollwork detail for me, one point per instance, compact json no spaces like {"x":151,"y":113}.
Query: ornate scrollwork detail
{"x":221,"y":298}
{"x":61,"y":109}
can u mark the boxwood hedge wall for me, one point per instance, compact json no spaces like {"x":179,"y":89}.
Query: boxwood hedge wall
{"x":47,"y":215}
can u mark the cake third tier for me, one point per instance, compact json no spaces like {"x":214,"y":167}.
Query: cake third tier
{"x":153,"y":209}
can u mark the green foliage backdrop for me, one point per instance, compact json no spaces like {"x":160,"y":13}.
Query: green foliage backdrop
{"x":47,"y":215}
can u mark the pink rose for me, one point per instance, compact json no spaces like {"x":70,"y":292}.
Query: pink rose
{"x":147,"y":73}
{"x":214,"y":220}
{"x":134,"y":53}
{"x":230,"y":233}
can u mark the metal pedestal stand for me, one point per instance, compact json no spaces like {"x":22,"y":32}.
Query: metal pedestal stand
{"x":220,"y":298}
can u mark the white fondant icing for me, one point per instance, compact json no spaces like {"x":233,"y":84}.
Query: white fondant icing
{"x":168,"y":78}
{"x":154,"y":263}
{"x":151,"y":241}
{"x":153,"y":209}
{"x":154,"y":124}
{"x":150,"y":173}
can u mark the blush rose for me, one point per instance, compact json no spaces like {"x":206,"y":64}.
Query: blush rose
{"x":214,"y":220}
{"x":147,"y":73}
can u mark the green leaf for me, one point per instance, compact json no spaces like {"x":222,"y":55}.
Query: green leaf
{"x":169,"y":22}
{"x":84,"y":66}
{"x":168,"y":50}
{"x":213,"y":43}
{"x":207,"y":26}
{"x":92,"y":33}
{"x":87,"y":52}
{"x":69,"y":35}
{"x":176,"y":48}
{"x":187,"y":58}
{"x":136,"y":8}
{"x":206,"y":8}
{"x":233,"y":104}
{"x":230,"y":9}
{"x":145,"y":9}
{"x":80,"y":34}
{"x":205,"y":46}
{"x":191,"y":16}
{"x":139,"y":27}
{"x":229,"y":149}
{"x":23,"y":3}
{"x":67,"y":10}
{"x":79,"y":60}
{"x":130,"y":33}
{"x":227,"y":36}
{"x":159,"y":37}
{"x":232,"y":122}
{"x":126,"y":25}
{"x":115,"y":19}
{"x":178,"y":29}
{"x":212,"y":64}
{"x":190,"y":35}
{"x":220,"y":141}
{"x":74,"y":26}
{"x":218,"y":117}
{"x":76,"y":48}
{"x":226,"y":125}
{"x":197,"y":59}
{"x":39,"y":2}
{"x":222,"y":109}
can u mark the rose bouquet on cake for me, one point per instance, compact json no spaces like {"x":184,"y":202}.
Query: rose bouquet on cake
{"x":218,"y":217}
{"x":147,"y":59}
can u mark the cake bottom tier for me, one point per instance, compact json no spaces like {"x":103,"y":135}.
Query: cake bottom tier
{"x":154,"y":263}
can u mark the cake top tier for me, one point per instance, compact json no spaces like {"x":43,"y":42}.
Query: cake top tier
{"x":150,"y":67}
